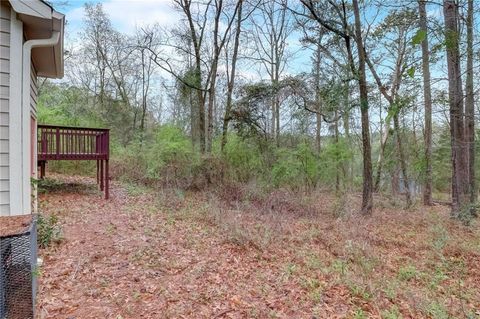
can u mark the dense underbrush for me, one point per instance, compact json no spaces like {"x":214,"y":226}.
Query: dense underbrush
{"x":395,"y":264}
{"x":169,"y":160}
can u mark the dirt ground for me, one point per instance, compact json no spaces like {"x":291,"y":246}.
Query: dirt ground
{"x":235,"y":254}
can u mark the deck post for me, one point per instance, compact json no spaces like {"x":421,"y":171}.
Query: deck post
{"x":98,"y":172}
{"x":42,"y":169}
{"x":106,"y":180}
{"x":43,"y":141}
{"x":57,"y":142}
{"x":101,"y":175}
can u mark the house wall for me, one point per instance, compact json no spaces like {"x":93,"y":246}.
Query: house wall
{"x":15,"y":115}
{"x":4,"y":108}
{"x":17,"y":147}
{"x":18,"y":108}
{"x":32,"y":158}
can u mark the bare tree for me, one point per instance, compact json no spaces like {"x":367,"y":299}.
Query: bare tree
{"x":219,"y":40}
{"x":231,"y":74}
{"x":470,"y":108}
{"x":313,"y":35}
{"x":96,"y":34}
{"x":427,"y":97}
{"x":341,"y":28}
{"x":460,"y":185}
{"x":317,"y":61}
{"x":115,"y":70}
{"x":397,"y":27}
{"x":145,"y":40}
{"x":273,"y":25}
{"x":203,"y":74}
{"x":367,"y":203}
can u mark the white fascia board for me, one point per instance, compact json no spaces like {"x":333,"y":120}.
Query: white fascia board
{"x":58,"y":48}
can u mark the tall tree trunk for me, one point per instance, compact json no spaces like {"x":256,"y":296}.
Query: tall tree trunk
{"x":318,"y":132}
{"x":318,"y":102}
{"x":144,"y":95}
{"x":193,"y":120}
{"x":346,"y":126}
{"x":460,"y":185}
{"x":198,"y":75}
{"x":427,"y":97}
{"x":210,"y":107}
{"x":200,"y":110}
{"x":274,"y":110}
{"x":338,"y":168}
{"x":277,"y":100}
{"x":193,"y":108}
{"x":276,"y":107}
{"x":367,"y":198}
{"x":403,"y":163}
{"x":213,"y":77}
{"x":395,"y":181}
{"x":277,"y":118}
{"x":381,"y":154}
{"x":470,"y":108}
{"x":231,"y":80}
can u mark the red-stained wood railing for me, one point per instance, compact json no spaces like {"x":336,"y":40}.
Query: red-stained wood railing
{"x":75,"y":143}
{"x":72,"y":143}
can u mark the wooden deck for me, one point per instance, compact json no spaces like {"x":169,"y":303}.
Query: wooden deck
{"x":56,"y":143}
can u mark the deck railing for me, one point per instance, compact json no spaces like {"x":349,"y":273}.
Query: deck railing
{"x":75,"y":143}
{"x":72,"y":143}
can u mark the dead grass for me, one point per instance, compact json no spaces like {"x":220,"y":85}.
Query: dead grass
{"x":237,"y":253}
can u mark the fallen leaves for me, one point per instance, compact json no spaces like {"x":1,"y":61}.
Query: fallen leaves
{"x":156,"y":255}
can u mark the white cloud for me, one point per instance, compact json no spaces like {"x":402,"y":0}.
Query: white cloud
{"x":127,"y":14}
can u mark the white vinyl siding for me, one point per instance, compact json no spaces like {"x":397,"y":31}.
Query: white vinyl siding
{"x":4,"y":108}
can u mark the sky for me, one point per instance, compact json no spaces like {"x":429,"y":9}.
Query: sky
{"x":124,"y":14}
{"x":127,"y":15}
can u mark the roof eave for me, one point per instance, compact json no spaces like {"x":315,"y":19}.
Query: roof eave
{"x":48,"y":20}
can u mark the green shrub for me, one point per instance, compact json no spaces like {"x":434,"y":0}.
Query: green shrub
{"x":46,"y":185}
{"x":167,"y":157}
{"x":296,"y":168}
{"x":129,"y":163}
{"x":286,"y":169}
{"x":48,"y":230}
{"x":171,"y":155}
{"x":243,"y":158}
{"x":171,"y":145}
{"x":309,"y":164}
{"x":333,"y":160}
